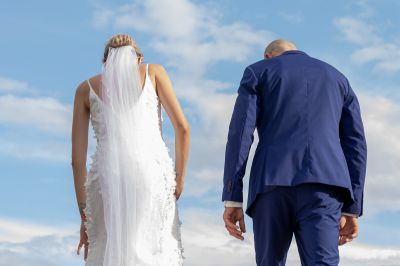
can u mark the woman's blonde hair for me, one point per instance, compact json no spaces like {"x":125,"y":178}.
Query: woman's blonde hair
{"x":119,"y":40}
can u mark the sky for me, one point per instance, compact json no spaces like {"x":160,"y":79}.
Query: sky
{"x":49,"y":47}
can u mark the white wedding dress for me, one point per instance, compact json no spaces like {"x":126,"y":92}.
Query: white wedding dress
{"x":157,"y":194}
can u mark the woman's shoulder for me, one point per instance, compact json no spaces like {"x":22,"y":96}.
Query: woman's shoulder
{"x":84,"y":85}
{"x":94,"y":80}
{"x":156,"y":70}
{"x":155,"y":67}
{"x":82,"y":90}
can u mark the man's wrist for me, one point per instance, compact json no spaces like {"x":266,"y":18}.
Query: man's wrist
{"x":349,"y":214}
{"x":233,"y":204}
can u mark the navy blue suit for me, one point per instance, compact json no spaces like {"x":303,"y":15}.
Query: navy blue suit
{"x":309,"y":126}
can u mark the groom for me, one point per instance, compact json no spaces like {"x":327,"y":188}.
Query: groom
{"x":308,"y":172}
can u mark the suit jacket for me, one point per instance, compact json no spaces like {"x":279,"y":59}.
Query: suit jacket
{"x":309,"y":126}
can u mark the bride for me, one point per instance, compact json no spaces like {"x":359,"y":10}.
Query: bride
{"x":128,"y":199}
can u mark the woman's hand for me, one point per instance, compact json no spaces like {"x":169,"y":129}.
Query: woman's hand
{"x":178,"y":190}
{"x":83,"y":241}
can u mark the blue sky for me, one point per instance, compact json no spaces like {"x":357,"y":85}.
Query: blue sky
{"x":49,"y":47}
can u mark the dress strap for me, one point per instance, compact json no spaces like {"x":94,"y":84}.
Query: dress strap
{"x":90,"y":86}
{"x":147,"y":70}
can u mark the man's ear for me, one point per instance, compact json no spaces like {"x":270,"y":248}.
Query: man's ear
{"x":267,"y":56}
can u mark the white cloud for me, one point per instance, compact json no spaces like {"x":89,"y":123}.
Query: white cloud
{"x":206,"y":242}
{"x":35,"y":127}
{"x":45,"y":114}
{"x":380,"y":114}
{"x":356,"y":254}
{"x":101,"y":17}
{"x":204,"y":237}
{"x":385,"y":57}
{"x":365,"y":9}
{"x":51,"y":250}
{"x":12,"y":85}
{"x":294,"y":18}
{"x":189,"y":35}
{"x":24,"y":243}
{"x":357,"y":31}
{"x":382,"y":128}
{"x":18,"y":231}
{"x":383,"y":54}
{"x":173,"y":19}
{"x":39,"y":149}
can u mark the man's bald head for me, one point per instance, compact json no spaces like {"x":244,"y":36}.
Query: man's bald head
{"x":277,"y":47}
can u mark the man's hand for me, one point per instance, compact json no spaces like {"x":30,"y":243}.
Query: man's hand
{"x":348,"y":229}
{"x":233,"y":215}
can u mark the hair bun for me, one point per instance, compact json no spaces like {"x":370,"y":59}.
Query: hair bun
{"x":119,"y":40}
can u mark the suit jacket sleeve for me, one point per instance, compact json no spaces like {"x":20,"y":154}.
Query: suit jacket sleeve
{"x":354,"y":146}
{"x":240,"y":136}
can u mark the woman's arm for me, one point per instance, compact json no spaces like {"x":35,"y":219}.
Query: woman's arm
{"x":182,"y":132}
{"x":80,"y":127}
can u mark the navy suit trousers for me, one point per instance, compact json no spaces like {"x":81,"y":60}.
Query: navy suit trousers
{"x":309,"y":211}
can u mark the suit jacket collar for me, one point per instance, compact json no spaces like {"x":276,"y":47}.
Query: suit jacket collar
{"x":294,"y":52}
